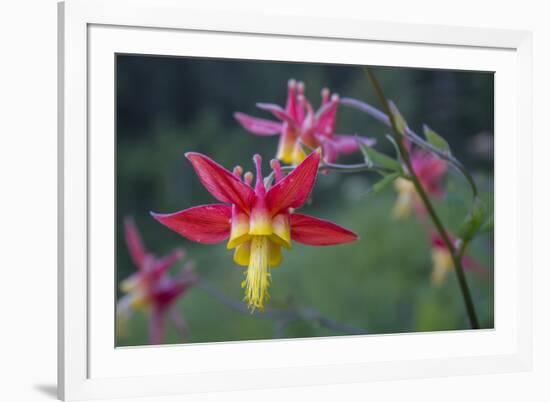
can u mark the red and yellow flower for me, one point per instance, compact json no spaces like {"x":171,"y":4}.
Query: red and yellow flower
{"x":299,"y":124}
{"x":257,"y":222}
{"x":151,"y":288}
{"x":430,"y":171}
{"x":442,"y":261}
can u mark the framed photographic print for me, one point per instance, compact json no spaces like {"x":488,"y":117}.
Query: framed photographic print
{"x":247,"y":203}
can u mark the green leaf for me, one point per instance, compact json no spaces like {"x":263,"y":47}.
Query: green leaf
{"x":375,"y":158}
{"x":395,"y":146}
{"x":436,"y":140}
{"x":473,"y":221}
{"x":385,"y":182}
{"x":398,"y":118}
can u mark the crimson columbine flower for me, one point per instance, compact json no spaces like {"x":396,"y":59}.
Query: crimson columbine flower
{"x":257,"y":222}
{"x":151,"y":288}
{"x":442,"y":262}
{"x":299,"y":124}
{"x":430,"y":171}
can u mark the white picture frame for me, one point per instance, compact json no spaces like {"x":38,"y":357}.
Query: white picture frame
{"x":91,"y":32}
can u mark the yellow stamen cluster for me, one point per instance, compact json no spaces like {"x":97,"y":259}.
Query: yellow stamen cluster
{"x":257,"y":241}
{"x":258,"y":277}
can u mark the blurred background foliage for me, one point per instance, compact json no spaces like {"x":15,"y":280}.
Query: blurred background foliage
{"x":167,"y":106}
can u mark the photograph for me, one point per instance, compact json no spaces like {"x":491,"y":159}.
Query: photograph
{"x":261,"y":200}
{"x":272,"y":201}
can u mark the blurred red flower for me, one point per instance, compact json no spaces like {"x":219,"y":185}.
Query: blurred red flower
{"x":300,"y":125}
{"x":151,"y":288}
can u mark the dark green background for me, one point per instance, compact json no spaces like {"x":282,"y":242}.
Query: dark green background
{"x":167,"y":106}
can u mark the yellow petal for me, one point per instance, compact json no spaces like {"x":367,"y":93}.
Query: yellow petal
{"x":281,"y":230}
{"x":405,"y":198}
{"x":298,"y":155}
{"x":129,"y":284}
{"x":403,"y":185}
{"x":260,"y":222}
{"x":242,"y":254}
{"x":239,"y":229}
{"x":286,"y":145}
{"x":140,"y":301}
{"x":402,"y":207}
{"x":442,"y":265}
{"x":275,"y":254}
{"x":123,"y":313}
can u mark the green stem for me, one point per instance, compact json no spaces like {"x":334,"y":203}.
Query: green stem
{"x":415,"y":138}
{"x":462,"y":249}
{"x":284,"y":316}
{"x":358,"y":167}
{"x":456,"y":257}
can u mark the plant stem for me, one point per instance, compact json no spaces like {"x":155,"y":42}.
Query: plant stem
{"x":355,"y":168}
{"x":384,"y":119}
{"x":358,"y":167}
{"x":281,"y":316}
{"x":455,"y":254}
